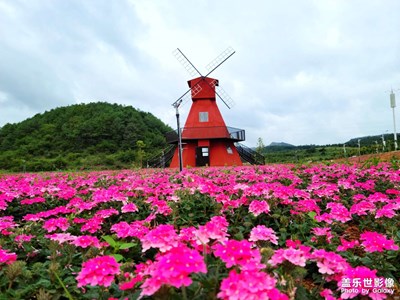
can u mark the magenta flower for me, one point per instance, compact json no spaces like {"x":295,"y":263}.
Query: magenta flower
{"x":92,"y":225}
{"x":249,"y":285}
{"x":327,"y":294}
{"x":7,"y":257}
{"x":130,"y":207}
{"x":297,"y":257}
{"x":338,"y":212}
{"x":387,"y":211}
{"x":85,"y":241}
{"x":135,"y":229}
{"x":60,"y":237}
{"x":329,"y":262}
{"x":239,"y":253}
{"x":106,"y":213}
{"x":23,"y":238}
{"x":263,"y":233}
{"x":173,"y":268}
{"x":322,"y":231}
{"x":373,"y":241}
{"x":215,"y":229}
{"x":347,"y":244}
{"x":32,"y":201}
{"x":362,"y":208}
{"x":258,"y":207}
{"x":7,"y":223}
{"x":98,"y":271}
{"x":56,"y":223}
{"x":163,"y":237}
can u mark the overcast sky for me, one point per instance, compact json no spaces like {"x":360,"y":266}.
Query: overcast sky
{"x":304,"y":72}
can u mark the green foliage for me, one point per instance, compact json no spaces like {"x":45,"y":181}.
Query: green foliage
{"x":117,"y":246}
{"x":260,"y":145}
{"x":82,"y":136}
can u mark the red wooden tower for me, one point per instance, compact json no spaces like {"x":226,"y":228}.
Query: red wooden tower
{"x":206,"y":139}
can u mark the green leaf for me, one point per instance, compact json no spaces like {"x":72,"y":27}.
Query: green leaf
{"x":127,"y":246}
{"x":110,"y":240}
{"x":118,"y":257}
{"x":312,"y":215}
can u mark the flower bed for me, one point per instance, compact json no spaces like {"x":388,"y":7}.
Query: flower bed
{"x":269,"y":232}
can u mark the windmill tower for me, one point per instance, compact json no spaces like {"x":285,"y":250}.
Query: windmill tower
{"x":206,"y":139}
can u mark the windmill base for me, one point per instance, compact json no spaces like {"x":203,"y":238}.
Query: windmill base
{"x":207,"y":153}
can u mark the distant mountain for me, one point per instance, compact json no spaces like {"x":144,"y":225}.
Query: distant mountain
{"x":93,"y":135}
{"x":372,"y":140}
{"x":280,"y":144}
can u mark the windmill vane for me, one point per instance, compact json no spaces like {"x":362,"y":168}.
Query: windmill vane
{"x":222,"y":57}
{"x":212,"y":66}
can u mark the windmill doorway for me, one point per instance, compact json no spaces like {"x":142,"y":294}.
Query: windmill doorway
{"x":202,"y":156}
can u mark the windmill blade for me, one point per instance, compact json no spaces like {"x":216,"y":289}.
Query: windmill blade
{"x":188,"y":96}
{"x":228,"y":101}
{"x":219,"y":60}
{"x":186,"y":63}
{"x":222,"y":94}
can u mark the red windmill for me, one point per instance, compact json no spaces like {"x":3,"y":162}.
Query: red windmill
{"x":206,"y":139}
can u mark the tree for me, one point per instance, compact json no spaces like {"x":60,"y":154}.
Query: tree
{"x":140,"y":152}
{"x":260,"y":146}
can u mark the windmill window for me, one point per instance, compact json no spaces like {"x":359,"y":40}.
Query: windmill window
{"x":229,"y":150}
{"x":204,"y":151}
{"x":203,"y":116}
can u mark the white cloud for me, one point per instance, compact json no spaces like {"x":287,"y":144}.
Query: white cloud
{"x":308,"y":72}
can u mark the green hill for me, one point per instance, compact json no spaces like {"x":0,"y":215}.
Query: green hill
{"x":94,"y":135}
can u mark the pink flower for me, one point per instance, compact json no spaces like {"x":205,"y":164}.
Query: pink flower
{"x":362,"y":208}
{"x":7,"y":223}
{"x":249,"y":285}
{"x":130,"y":207}
{"x":322,"y":231}
{"x":263,"y":233}
{"x":106,"y":213}
{"x":297,"y":257}
{"x":7,"y":257}
{"x":163,"y":237}
{"x":159,"y":206}
{"x":131,"y":283}
{"x":239,"y":253}
{"x":258,"y":207}
{"x":347,"y":244}
{"x":32,"y":201}
{"x":92,"y":225}
{"x":215,"y":229}
{"x":56,"y":223}
{"x":23,"y":238}
{"x":85,"y":241}
{"x":135,"y":229}
{"x":338,"y":212}
{"x":327,"y":294}
{"x":98,"y":271}
{"x":387,"y":211}
{"x":373,"y":241}
{"x":60,"y":237}
{"x":329,"y":262}
{"x":173,"y":268}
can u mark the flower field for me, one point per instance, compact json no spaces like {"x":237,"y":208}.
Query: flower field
{"x":265,"y":232}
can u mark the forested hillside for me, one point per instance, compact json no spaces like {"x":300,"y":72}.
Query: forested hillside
{"x":81,"y":136}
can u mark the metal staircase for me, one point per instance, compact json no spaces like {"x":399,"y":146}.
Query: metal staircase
{"x":163,"y":159}
{"x":249,"y":155}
